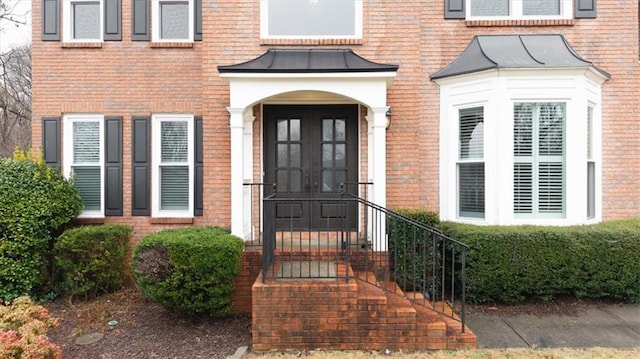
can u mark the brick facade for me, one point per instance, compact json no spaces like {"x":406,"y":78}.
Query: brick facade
{"x":132,"y":78}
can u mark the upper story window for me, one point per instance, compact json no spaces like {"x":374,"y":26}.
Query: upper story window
{"x":172,"y":20}
{"x":312,"y":19}
{"x":519,"y":9}
{"x":83,"y":20}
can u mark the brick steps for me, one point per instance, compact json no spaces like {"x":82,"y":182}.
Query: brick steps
{"x":354,"y":314}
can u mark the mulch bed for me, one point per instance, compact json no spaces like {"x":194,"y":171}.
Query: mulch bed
{"x":143,"y":330}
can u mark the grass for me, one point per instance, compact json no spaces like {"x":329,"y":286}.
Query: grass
{"x":560,"y":353}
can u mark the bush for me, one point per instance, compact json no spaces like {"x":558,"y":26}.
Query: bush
{"x":23,"y":329}
{"x":411,"y":250}
{"x":36,"y":202}
{"x":191,"y":270}
{"x":512,"y":263}
{"x":92,"y":259}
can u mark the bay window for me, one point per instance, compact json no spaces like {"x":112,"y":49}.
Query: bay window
{"x":471,"y":163}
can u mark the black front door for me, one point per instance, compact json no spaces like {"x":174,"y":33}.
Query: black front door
{"x":309,"y":152}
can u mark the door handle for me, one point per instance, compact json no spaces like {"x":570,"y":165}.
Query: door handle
{"x":315,"y":183}
{"x":306,"y":182}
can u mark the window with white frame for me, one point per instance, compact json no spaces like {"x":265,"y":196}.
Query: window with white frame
{"x":83,"y":20}
{"x":519,"y":9}
{"x":83,"y":159}
{"x":173,"y":170}
{"x":311,"y":19}
{"x":591,"y":167}
{"x":538,"y":150}
{"x":172,"y":20}
{"x":471,"y":163}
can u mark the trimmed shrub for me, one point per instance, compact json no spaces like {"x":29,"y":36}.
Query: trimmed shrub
{"x":512,"y":263}
{"x":23,"y":329}
{"x":36,"y":202}
{"x":92,"y":259}
{"x":191,"y":270}
{"x":411,"y":250}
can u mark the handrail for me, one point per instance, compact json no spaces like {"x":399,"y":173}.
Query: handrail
{"x":416,"y":261}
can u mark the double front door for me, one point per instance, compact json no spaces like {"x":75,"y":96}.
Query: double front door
{"x":310,"y":152}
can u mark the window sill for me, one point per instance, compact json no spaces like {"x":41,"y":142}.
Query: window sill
{"x":82,"y":45}
{"x":171,"y":220}
{"x":507,"y":23}
{"x":171,"y":45}
{"x":309,"y":42}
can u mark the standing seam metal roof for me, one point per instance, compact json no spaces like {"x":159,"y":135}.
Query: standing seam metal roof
{"x":486,"y":52}
{"x":307,"y":61}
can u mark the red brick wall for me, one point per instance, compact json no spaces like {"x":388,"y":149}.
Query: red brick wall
{"x":129,"y":78}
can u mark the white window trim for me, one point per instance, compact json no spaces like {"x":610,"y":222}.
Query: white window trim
{"x":155,"y":21}
{"x":515,"y":8}
{"x":462,"y":161}
{"x":67,"y":19}
{"x":156,"y":120}
{"x":67,"y":151}
{"x":264,"y":25}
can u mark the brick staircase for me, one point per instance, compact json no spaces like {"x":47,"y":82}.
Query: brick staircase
{"x":353,"y":314}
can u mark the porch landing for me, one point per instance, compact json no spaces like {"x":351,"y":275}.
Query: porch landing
{"x":315,"y":312}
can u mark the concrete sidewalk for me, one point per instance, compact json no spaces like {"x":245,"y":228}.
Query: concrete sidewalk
{"x":609,"y":326}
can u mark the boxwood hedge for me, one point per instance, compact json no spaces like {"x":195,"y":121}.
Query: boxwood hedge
{"x":191,"y":270}
{"x":513,"y":263}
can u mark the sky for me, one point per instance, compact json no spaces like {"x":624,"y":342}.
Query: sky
{"x":12,"y":34}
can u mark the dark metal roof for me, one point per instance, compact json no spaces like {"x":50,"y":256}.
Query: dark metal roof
{"x":307,"y":61}
{"x":486,"y":52}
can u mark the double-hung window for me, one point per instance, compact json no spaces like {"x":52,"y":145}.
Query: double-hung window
{"x":83,"y":20}
{"x":519,"y":9}
{"x":173,"y":20}
{"x":591,"y":168}
{"x":471,"y":194}
{"x":173,"y":169}
{"x":84,"y":160}
{"x":539,"y":156}
{"x":321,"y":19}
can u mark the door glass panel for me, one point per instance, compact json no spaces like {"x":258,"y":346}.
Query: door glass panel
{"x":327,"y":155}
{"x":295,"y":155}
{"x":341,"y":130}
{"x":327,"y":181}
{"x":341,"y":177}
{"x":296,"y":181}
{"x":283,"y":130}
{"x":282,"y":181}
{"x":340,"y":155}
{"x":327,"y":130}
{"x":294,"y":130}
{"x":283,"y":158}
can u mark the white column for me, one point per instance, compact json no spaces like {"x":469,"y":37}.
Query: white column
{"x":236,"y":123}
{"x":379,"y":149}
{"x":248,"y":173}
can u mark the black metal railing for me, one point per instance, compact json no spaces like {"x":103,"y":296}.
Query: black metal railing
{"x":382,"y":247}
{"x":256,"y":191}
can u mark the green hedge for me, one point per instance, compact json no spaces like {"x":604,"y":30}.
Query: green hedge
{"x":191,"y":269}
{"x":512,"y":263}
{"x":93,"y":259}
{"x":36,"y":202}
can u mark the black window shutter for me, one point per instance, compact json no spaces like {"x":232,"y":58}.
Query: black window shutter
{"x":198,"y":168}
{"x":51,"y":141}
{"x":141,"y":171}
{"x":454,"y":9}
{"x":197,"y":31}
{"x":140,"y":20}
{"x":585,"y":9}
{"x":50,"y":20}
{"x":112,"y":20}
{"x":113,"y":166}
